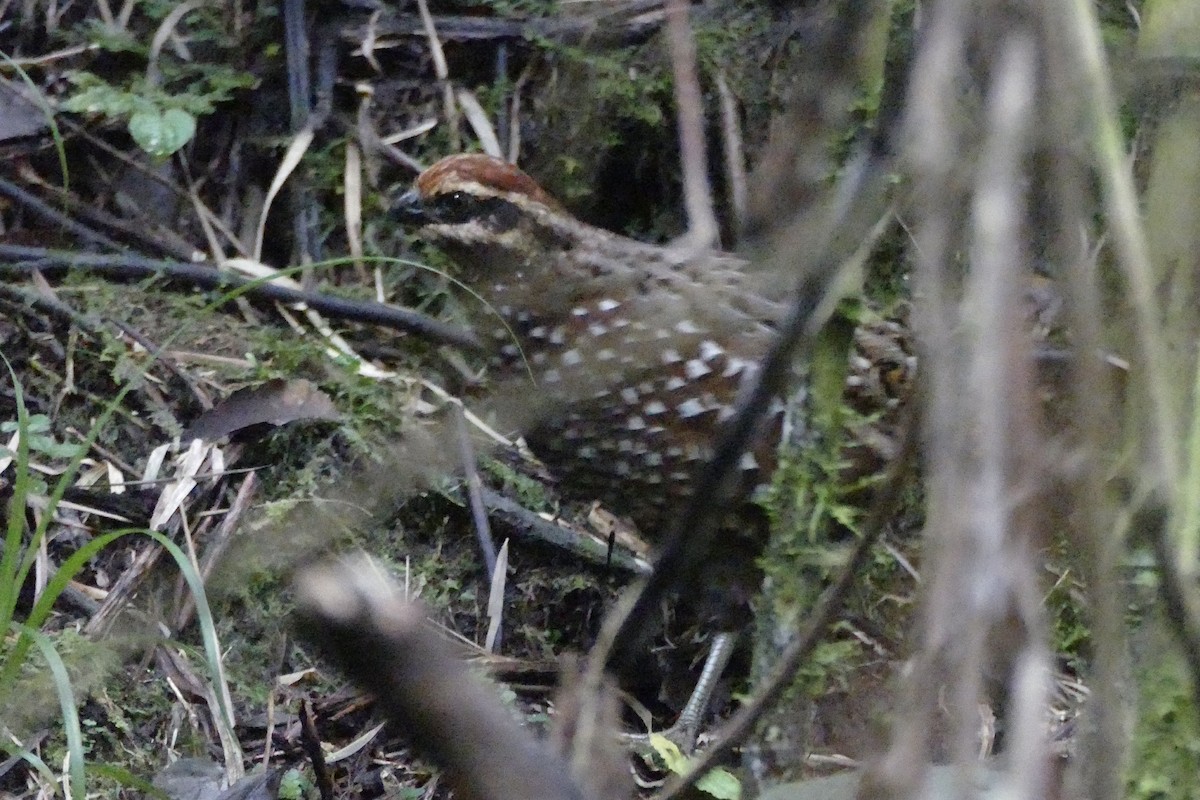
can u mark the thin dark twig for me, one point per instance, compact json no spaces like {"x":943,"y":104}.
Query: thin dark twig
{"x":205,"y":276}
{"x":310,"y":741}
{"x":53,"y":215}
{"x":466,"y":453}
{"x":169,"y":363}
{"x":50,"y":306}
{"x":297,"y":52}
{"x":627,"y":23}
{"x":1179,"y":598}
{"x":218,"y":543}
{"x":526,"y":523}
{"x":885,"y":506}
{"x":140,"y":234}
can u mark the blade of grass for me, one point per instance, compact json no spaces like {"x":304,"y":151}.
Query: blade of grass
{"x":76,"y":774}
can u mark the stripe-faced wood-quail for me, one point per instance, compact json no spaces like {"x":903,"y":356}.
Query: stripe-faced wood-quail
{"x":638,"y":353}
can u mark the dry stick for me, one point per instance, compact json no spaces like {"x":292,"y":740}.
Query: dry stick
{"x":167,"y":361}
{"x":146,"y":234}
{"x":127,"y":585}
{"x":51,"y":307}
{"x":528,"y":524}
{"x":1093,"y":409}
{"x":56,"y":217}
{"x":466,"y":454}
{"x":356,"y":616}
{"x":310,"y":742}
{"x":205,"y":276}
{"x":885,"y":505}
{"x":735,"y":159}
{"x":298,"y":46}
{"x":442,"y":71}
{"x":1002,"y":442}
{"x":1079,"y":37}
{"x":933,"y":133}
{"x":697,"y":193}
{"x":218,"y":544}
{"x":617,"y":24}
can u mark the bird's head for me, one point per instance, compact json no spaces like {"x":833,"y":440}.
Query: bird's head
{"x":479,"y":207}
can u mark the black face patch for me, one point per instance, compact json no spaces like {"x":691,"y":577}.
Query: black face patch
{"x":452,"y":208}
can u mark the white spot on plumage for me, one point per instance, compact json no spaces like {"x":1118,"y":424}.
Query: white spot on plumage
{"x":551,"y":376}
{"x":654,"y":407}
{"x":607,"y":304}
{"x":686,"y":326}
{"x":675,"y":383}
{"x":735,"y":366}
{"x":579,"y":311}
{"x":558,"y":335}
{"x":671,"y":356}
{"x":596,"y":329}
{"x":572,"y":358}
{"x":696,"y":369}
{"x":710,"y":350}
{"x":629,"y":395}
{"x":748,"y":461}
{"x":635,"y":423}
{"x":690,"y":408}
{"x":607,"y":354}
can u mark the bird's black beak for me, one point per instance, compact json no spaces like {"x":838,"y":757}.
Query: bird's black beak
{"x":409,"y":209}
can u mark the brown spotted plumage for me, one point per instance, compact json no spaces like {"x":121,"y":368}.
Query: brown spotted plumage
{"x":637,"y":354}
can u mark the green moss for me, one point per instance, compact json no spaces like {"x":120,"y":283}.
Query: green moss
{"x":1165,"y":756}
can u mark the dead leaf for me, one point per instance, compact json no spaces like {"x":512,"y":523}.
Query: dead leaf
{"x":275,"y":402}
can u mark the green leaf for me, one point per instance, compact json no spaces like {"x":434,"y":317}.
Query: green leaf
{"x":100,"y":99}
{"x":161,"y":133}
{"x":673,"y":758}
{"x":292,"y":785}
{"x":719,"y":782}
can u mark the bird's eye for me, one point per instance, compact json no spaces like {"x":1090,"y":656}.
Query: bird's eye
{"x":454,"y":207}
{"x":495,"y":213}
